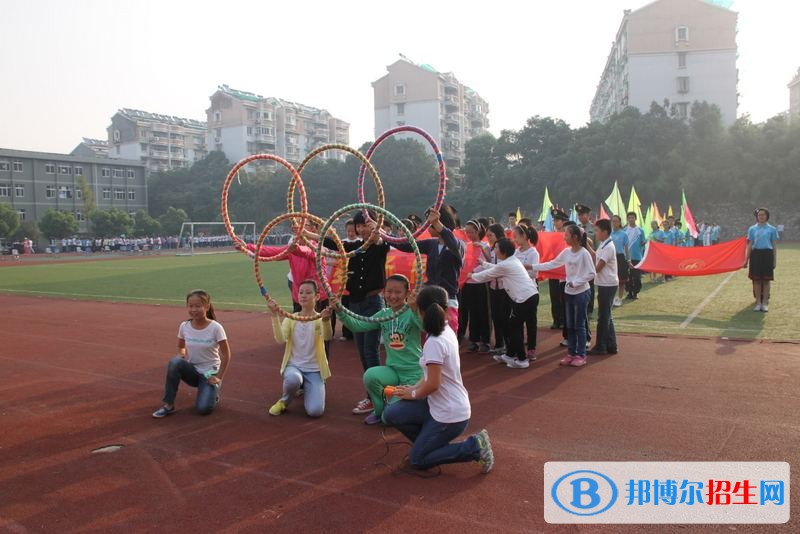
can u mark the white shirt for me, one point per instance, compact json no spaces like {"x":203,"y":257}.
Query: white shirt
{"x":202,"y":346}
{"x":608,"y":253}
{"x":449,"y":403}
{"x":513,"y":276}
{"x":304,"y":356}
{"x":578,"y":265}
{"x":528,"y":257}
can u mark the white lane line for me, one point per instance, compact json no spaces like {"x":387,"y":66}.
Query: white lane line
{"x":705,"y":302}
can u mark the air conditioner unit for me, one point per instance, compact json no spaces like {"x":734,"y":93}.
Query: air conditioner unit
{"x":217,"y":139}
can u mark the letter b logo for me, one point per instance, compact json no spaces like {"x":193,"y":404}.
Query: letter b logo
{"x":585,"y":493}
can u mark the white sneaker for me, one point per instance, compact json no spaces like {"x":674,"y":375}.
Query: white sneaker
{"x":617,"y":302}
{"x":564,"y":343}
{"x":588,"y":344}
{"x":503,"y":358}
{"x":758,"y":307}
{"x":764,"y":307}
{"x":518,"y":364}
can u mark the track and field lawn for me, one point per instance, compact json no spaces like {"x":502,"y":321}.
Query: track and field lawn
{"x":684,"y":306}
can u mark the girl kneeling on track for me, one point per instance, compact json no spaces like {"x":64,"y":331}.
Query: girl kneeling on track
{"x":203,"y":359}
{"x":436,"y":409}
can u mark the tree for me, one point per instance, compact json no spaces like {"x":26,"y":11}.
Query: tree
{"x":56,"y":224}
{"x":88,"y":195}
{"x":145,"y":225}
{"x":196,"y":190}
{"x":172,"y":220}
{"x":9,"y":220}
{"x":111,"y":223}
{"x":27,"y":229}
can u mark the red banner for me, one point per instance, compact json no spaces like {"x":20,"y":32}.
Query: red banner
{"x":694,"y":261}
{"x":549,"y":246}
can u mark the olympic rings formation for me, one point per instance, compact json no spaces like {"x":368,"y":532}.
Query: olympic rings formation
{"x":301,"y":217}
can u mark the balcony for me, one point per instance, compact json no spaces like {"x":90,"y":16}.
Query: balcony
{"x":176,"y":141}
{"x":159,"y":140}
{"x":452,"y":118}
{"x":163,"y":128}
{"x":321,"y":134}
{"x":160,"y":154}
{"x":264,"y":138}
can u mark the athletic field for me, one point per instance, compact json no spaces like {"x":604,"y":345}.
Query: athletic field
{"x":709,"y":306}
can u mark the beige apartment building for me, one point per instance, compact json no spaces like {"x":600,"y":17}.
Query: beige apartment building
{"x":161,"y":142}
{"x":682,"y":51}
{"x":421,"y":96}
{"x":794,"y":96}
{"x":241,"y":124}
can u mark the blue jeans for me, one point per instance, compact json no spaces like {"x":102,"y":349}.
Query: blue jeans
{"x":430,"y":439}
{"x":368,"y":343}
{"x":575,"y":313}
{"x":313,"y":389}
{"x":179,"y":369}
{"x":606,"y":338}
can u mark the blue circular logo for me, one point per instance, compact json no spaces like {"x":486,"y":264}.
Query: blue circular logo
{"x":584,"y":493}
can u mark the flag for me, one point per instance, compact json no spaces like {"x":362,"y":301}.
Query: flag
{"x":635,"y":205}
{"x":603,"y":214}
{"x":657,"y":214}
{"x":614,"y":202}
{"x":546,"y":205}
{"x":694,"y":261}
{"x":548,"y":221}
{"x":669,"y":212}
{"x":549,"y":246}
{"x":686,"y":216}
{"x":648,"y":220}
{"x":519,"y":215}
{"x":573,"y":215}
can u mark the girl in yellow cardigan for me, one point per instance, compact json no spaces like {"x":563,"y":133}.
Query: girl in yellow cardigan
{"x":304,"y":362}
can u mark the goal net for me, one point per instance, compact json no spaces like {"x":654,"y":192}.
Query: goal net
{"x":211,"y":237}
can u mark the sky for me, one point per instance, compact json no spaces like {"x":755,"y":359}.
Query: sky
{"x":69,"y":65}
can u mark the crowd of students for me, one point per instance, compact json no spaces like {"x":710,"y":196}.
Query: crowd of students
{"x":499,"y":302}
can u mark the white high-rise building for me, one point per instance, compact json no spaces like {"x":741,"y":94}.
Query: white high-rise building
{"x":682,"y":51}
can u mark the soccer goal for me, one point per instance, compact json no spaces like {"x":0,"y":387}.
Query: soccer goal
{"x":211,"y":237}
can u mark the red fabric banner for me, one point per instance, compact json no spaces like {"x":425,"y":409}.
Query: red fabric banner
{"x":694,"y":261}
{"x":549,"y":246}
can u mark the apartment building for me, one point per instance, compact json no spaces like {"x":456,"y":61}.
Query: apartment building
{"x":33,"y":182}
{"x":794,"y":95}
{"x":419,"y":95}
{"x":681,"y":51}
{"x":241,"y":124}
{"x":92,"y":148}
{"x":162,"y":142}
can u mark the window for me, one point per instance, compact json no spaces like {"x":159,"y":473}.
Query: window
{"x":400,"y":89}
{"x":217,"y":116}
{"x":50,"y":191}
{"x":79,"y":193}
{"x":683,"y":84}
{"x":21,"y":214}
{"x":78,"y":171}
{"x":118,"y":173}
{"x":105,"y":172}
{"x":143,"y":147}
{"x":17,"y":166}
{"x":50,"y":168}
{"x":290,"y":119}
{"x":682,"y":34}
{"x":290,"y":139}
{"x":106,"y":193}
{"x":267,"y":115}
{"x":401,"y":123}
{"x":4,"y":166}
{"x":142,"y":133}
{"x":5,"y":190}
{"x":130,"y":173}
{"x":131,"y":194}
{"x":79,"y":216}
{"x":116,"y":136}
{"x":19,"y":190}
{"x":251,"y":114}
{"x":401,"y":109}
{"x":682,"y":109}
{"x":682,"y":60}
{"x":119,"y":194}
{"x":249,"y":130}
{"x":65,"y":191}
{"x":64,"y":169}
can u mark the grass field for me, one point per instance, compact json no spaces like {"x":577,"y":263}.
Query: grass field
{"x":661,"y":308}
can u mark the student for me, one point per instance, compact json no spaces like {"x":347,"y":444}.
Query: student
{"x":761,"y":256}
{"x":445,"y":256}
{"x":365,"y":283}
{"x":556,"y":286}
{"x":401,"y":339}
{"x":436,"y":410}
{"x":584,"y":213}
{"x":526,"y":238}
{"x":304,"y":363}
{"x":579,"y":266}
{"x":203,"y":360}
{"x":511,"y":221}
{"x":620,"y":238}
{"x":499,"y":302}
{"x":474,"y":306}
{"x":524,"y":297}
{"x":636,"y":243}
{"x":669,"y":238}
{"x":606,"y":282}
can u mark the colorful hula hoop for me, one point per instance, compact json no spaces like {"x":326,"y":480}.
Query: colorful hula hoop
{"x":257,"y":263}
{"x":442,"y":176}
{"x":417,"y":257}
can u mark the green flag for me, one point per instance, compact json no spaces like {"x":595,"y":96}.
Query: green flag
{"x":648,"y":220}
{"x":546,"y":205}
{"x":635,"y":205}
{"x":615,"y":203}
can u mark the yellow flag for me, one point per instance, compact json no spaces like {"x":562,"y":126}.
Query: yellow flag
{"x":669,"y":211}
{"x":519,"y":214}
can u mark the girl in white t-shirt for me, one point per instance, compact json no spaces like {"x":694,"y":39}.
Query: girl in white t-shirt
{"x":526,"y":238}
{"x":436,"y":409}
{"x":204,"y":355}
{"x":305,"y":364}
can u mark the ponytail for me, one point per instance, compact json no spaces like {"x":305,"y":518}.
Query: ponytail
{"x":432,"y":304}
